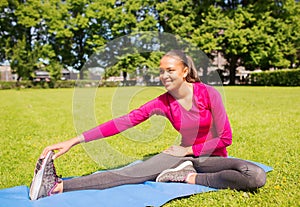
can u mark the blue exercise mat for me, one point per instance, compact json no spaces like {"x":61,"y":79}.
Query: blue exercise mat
{"x":133,"y":195}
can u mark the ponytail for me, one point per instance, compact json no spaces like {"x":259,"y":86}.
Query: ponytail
{"x":192,"y":75}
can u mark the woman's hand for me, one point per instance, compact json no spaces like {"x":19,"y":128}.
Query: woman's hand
{"x":179,"y":151}
{"x":62,"y":147}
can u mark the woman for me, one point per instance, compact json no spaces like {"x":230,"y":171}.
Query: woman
{"x":195,"y":110}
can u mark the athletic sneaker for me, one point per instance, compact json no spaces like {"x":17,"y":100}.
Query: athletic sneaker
{"x":178,"y":174}
{"x":45,"y":179}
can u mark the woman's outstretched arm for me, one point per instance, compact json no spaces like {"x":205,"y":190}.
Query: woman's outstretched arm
{"x":62,"y":147}
{"x":108,"y":128}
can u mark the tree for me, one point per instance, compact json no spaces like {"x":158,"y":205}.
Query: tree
{"x":72,"y":31}
{"x":126,"y":64}
{"x":132,"y":16}
{"x":177,"y":17}
{"x":251,"y":33}
{"x":254,"y":34}
{"x":22,"y":60}
{"x":10,"y":31}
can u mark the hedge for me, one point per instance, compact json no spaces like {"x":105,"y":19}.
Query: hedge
{"x":287,"y":77}
{"x":63,"y":84}
{"x":43,"y":84}
{"x":13,"y":84}
{"x":57,"y":84}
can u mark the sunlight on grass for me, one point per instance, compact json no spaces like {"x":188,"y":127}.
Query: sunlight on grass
{"x":265,"y":123}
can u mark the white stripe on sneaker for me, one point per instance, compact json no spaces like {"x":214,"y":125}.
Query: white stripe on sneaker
{"x":179,"y":167}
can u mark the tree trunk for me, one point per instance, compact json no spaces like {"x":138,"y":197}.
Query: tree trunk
{"x":232,"y":69}
{"x":81,"y":74}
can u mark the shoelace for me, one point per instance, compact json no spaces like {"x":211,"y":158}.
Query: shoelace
{"x":53,"y":178}
{"x":51,"y":171}
{"x":38,"y":165}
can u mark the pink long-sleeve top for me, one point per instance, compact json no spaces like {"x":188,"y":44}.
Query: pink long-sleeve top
{"x":205,"y":126}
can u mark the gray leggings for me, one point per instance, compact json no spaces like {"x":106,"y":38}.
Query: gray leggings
{"x":216,"y":172}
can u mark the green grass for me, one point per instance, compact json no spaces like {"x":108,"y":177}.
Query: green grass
{"x":265,"y":122}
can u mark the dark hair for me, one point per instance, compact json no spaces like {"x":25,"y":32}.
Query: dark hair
{"x":192,"y":75}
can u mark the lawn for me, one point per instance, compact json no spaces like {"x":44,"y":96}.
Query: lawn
{"x":265,"y":123}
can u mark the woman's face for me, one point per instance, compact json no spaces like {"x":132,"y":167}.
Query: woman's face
{"x":172,"y":72}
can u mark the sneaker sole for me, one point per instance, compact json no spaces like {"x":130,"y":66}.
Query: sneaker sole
{"x":38,"y":178}
{"x":179,"y":167}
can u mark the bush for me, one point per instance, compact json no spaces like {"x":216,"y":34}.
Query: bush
{"x":7,"y":85}
{"x":110,"y":83}
{"x":13,"y":84}
{"x":51,"y":84}
{"x":64,"y":84}
{"x":276,"y":78}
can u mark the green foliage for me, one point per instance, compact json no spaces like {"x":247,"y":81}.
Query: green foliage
{"x":64,"y":84}
{"x":152,"y":62}
{"x":22,"y":60}
{"x":7,"y":85}
{"x":128,"y":63}
{"x":55,"y":69}
{"x":110,"y":83}
{"x":207,"y":35}
{"x":177,"y":17}
{"x":16,"y":85}
{"x":10,"y":31}
{"x":254,"y":34}
{"x":26,"y":84}
{"x":276,"y":78}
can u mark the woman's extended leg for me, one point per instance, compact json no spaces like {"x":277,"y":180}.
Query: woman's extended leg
{"x":221,"y":173}
{"x":138,"y":173}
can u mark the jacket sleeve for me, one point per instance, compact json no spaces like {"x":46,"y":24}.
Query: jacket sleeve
{"x":220,"y":134}
{"x":124,"y":122}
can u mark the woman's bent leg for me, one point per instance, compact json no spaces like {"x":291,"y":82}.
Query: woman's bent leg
{"x":221,"y":173}
{"x":138,"y":173}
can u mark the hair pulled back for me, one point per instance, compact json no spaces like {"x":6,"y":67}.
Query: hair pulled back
{"x":192,"y":75}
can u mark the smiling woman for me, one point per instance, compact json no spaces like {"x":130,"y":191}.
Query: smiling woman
{"x":195,"y":110}
{"x":176,"y":72}
{"x":261,"y":134}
